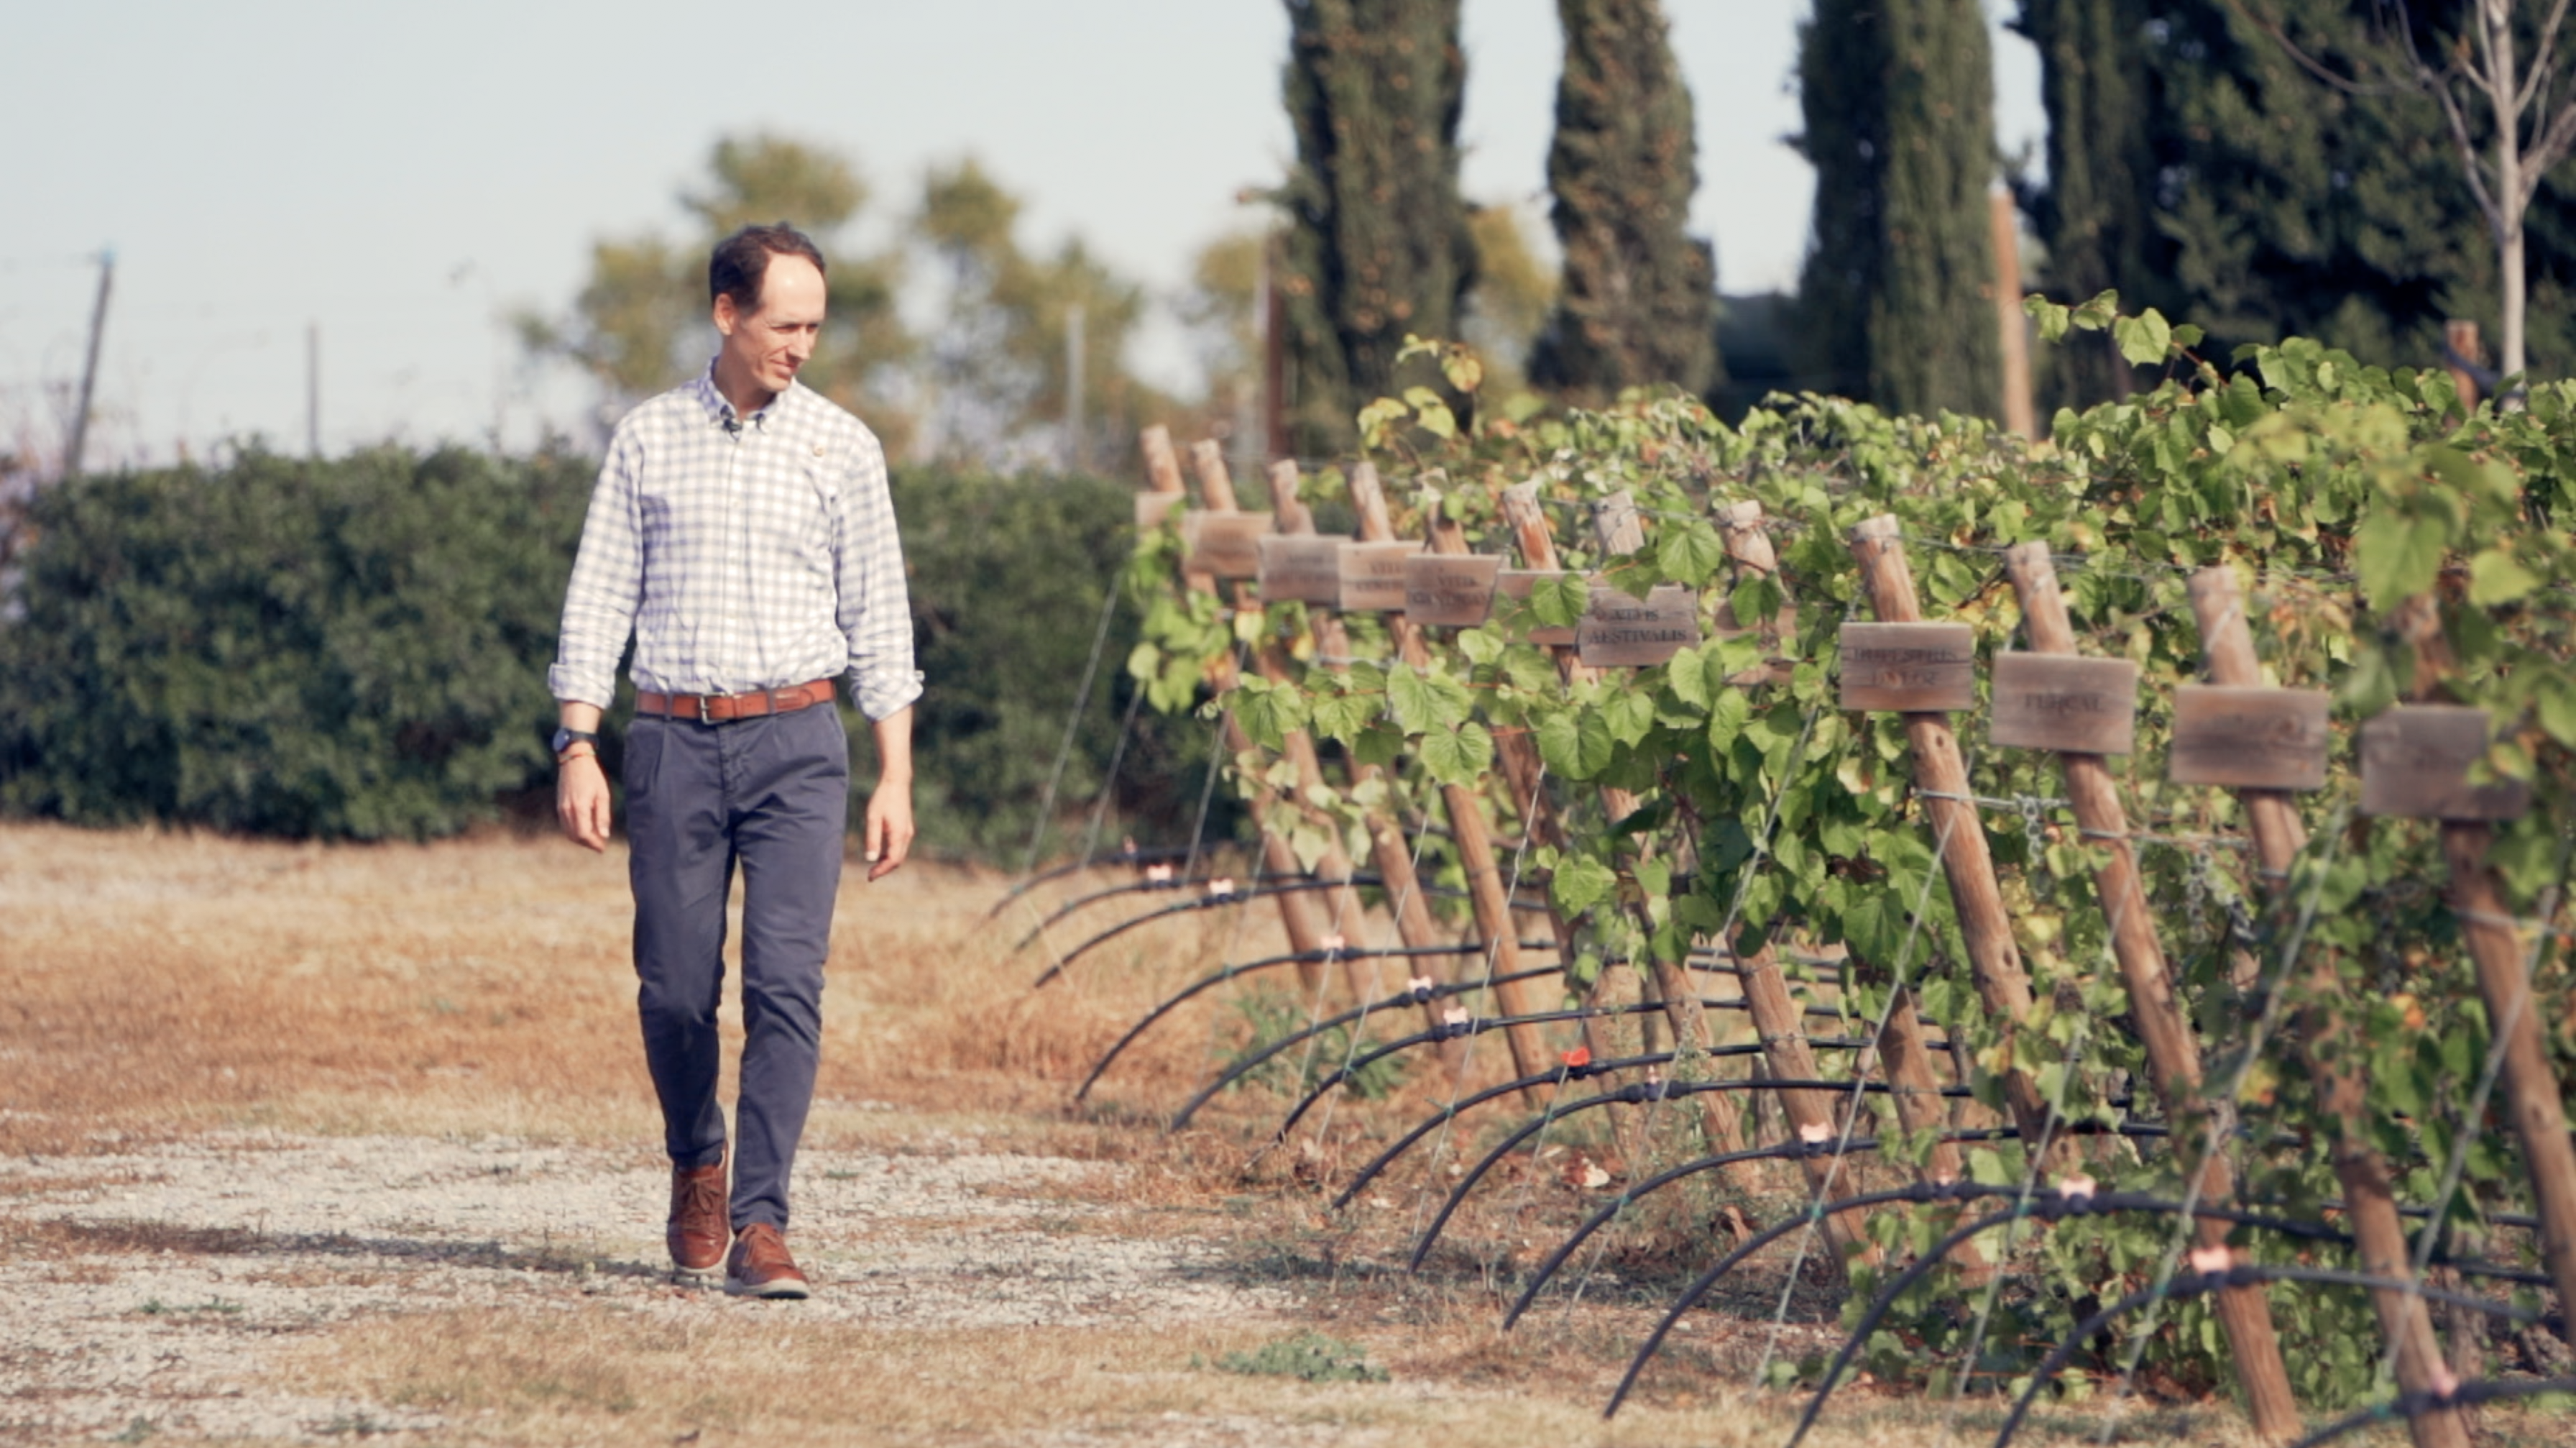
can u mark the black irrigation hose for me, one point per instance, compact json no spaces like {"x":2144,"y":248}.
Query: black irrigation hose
{"x":2050,"y":1205}
{"x":1360,"y":880}
{"x":1633,"y":1094}
{"x":1058,"y":872}
{"x":2195,"y":1283}
{"x":2409,"y":1405}
{"x":1450,"y":1112}
{"x":1252,"y":1061}
{"x":1308,"y":957}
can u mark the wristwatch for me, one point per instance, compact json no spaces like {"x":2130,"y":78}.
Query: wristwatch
{"x":567,"y":738}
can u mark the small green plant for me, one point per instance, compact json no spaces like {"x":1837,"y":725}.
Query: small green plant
{"x":1309,"y":1357}
{"x":1273,"y":1014}
{"x":136,"y":1431}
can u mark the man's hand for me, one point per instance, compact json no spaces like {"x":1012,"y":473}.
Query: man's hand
{"x":887,"y":836}
{"x":888,"y":832}
{"x":581,"y":800}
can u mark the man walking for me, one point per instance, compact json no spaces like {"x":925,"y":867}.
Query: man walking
{"x":742,"y":534}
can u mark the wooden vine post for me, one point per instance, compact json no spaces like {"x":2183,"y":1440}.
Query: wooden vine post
{"x":1673,"y":985}
{"x":1941,"y":782}
{"x":2532,"y":1100}
{"x":2173,"y":1053}
{"x":1388,"y":850}
{"x":1216,"y":489}
{"x":1486,"y":890}
{"x":1912,"y":1085}
{"x":2370,"y":1200}
{"x":1306,"y":930}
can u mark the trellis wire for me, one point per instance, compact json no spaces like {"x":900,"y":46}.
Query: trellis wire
{"x":1072,"y":726}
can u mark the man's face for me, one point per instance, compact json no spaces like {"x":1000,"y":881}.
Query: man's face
{"x":772,"y":342}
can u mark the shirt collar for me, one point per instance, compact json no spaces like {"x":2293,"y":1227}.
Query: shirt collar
{"x":720,"y":412}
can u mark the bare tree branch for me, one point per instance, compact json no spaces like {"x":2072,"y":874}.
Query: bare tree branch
{"x":2535,"y":86}
{"x":2348,"y":85}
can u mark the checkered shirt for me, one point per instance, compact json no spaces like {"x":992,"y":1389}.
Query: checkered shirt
{"x":741,"y":554}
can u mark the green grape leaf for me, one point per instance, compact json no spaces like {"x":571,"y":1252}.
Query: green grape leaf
{"x":1458,"y":756}
{"x":1581,"y":882}
{"x":1689,"y":552}
{"x":1629,"y":713}
{"x":2494,"y":577}
{"x":2397,"y":556}
{"x":1575,"y":743}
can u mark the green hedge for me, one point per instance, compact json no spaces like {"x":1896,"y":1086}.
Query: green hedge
{"x":357,"y":648}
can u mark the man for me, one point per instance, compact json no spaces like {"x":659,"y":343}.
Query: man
{"x":741,"y":532}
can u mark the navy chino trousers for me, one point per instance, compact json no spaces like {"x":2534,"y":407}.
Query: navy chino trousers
{"x":772,"y":794}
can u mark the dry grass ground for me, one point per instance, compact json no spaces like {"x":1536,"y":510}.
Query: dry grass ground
{"x":304,"y":1143}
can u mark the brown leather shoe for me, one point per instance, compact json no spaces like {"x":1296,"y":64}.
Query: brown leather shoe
{"x":699,"y":1209}
{"x":760,"y":1266}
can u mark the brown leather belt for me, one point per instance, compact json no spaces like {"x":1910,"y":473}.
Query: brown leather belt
{"x":726,"y":708}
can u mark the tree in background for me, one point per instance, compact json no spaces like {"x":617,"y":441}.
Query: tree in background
{"x":997,"y":383}
{"x":1896,"y":298}
{"x":1514,"y":294}
{"x":639,"y":324}
{"x":1639,"y":301}
{"x":2095,"y":217}
{"x":2245,"y":194}
{"x":1378,"y":245}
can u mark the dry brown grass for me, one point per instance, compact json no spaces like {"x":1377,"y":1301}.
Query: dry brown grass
{"x":168,"y":985}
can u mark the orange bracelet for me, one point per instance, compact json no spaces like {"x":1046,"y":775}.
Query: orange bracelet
{"x":578,"y":751}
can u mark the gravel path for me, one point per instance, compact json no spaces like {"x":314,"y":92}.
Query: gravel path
{"x":152,"y":1289}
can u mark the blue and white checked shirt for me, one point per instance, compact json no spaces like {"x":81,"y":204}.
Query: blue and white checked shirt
{"x":745,"y":554}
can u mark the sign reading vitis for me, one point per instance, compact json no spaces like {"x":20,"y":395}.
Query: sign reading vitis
{"x":1373,"y":576}
{"x":2248,"y":738}
{"x":1911,"y":668}
{"x":1305,"y":567}
{"x":1224,"y":545}
{"x":2065,"y":703}
{"x":1620,"y":630}
{"x":1448,"y":588}
{"x":2415,"y":762}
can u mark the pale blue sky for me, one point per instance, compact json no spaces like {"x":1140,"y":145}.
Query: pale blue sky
{"x":401,"y":175}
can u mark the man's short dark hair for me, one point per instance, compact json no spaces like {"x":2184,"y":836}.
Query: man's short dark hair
{"x":741,"y":261}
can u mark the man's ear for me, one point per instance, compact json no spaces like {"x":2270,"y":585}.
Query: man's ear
{"x":725,"y":316}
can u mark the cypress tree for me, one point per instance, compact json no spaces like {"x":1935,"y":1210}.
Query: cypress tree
{"x":1639,"y":299}
{"x":1896,"y":295}
{"x":2260,"y":202}
{"x":2095,"y":216}
{"x":1379,"y":245}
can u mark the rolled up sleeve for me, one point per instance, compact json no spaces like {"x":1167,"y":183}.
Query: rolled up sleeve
{"x":875,"y":608}
{"x":607,"y":584}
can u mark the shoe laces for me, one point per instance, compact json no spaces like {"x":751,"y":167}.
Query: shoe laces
{"x":702,"y":1194}
{"x":765,"y":1247}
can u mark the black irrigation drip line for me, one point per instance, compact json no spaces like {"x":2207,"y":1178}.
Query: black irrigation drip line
{"x":1252,"y":1061}
{"x":1203,"y":902}
{"x":2412,"y":1405}
{"x":2243,"y":1274}
{"x":1058,"y":872}
{"x":1932,"y":1192}
{"x":1307,"y":957}
{"x":1633,"y":1094}
{"x":2050,"y":1205}
{"x":1561,"y":1075}
{"x":1361,"y":879}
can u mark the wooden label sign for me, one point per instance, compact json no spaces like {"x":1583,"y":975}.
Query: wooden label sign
{"x":1224,"y":545}
{"x":1621,"y":631}
{"x":2062,"y":702}
{"x":2415,"y":762}
{"x":1909,"y":668}
{"x":2248,"y":738}
{"x":1373,"y":576}
{"x":1449,"y":588}
{"x":1515,"y":584}
{"x":1151,"y":509}
{"x":1306,"y":567}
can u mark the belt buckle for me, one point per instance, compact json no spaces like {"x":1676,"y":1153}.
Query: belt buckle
{"x":705,"y":717}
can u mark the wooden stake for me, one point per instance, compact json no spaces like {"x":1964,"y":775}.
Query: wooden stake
{"x":2173,"y":1053}
{"x":2532,"y":1100}
{"x":2378,"y":1232}
{"x":1486,"y":889}
{"x":1941,"y":782}
{"x":1297,"y":913}
{"x":2019,"y":416}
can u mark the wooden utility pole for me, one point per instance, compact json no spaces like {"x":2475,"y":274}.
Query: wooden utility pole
{"x":2173,"y":1052}
{"x":2370,"y":1199}
{"x":1941,"y":782}
{"x":2019,"y":415}
{"x":77,"y":453}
